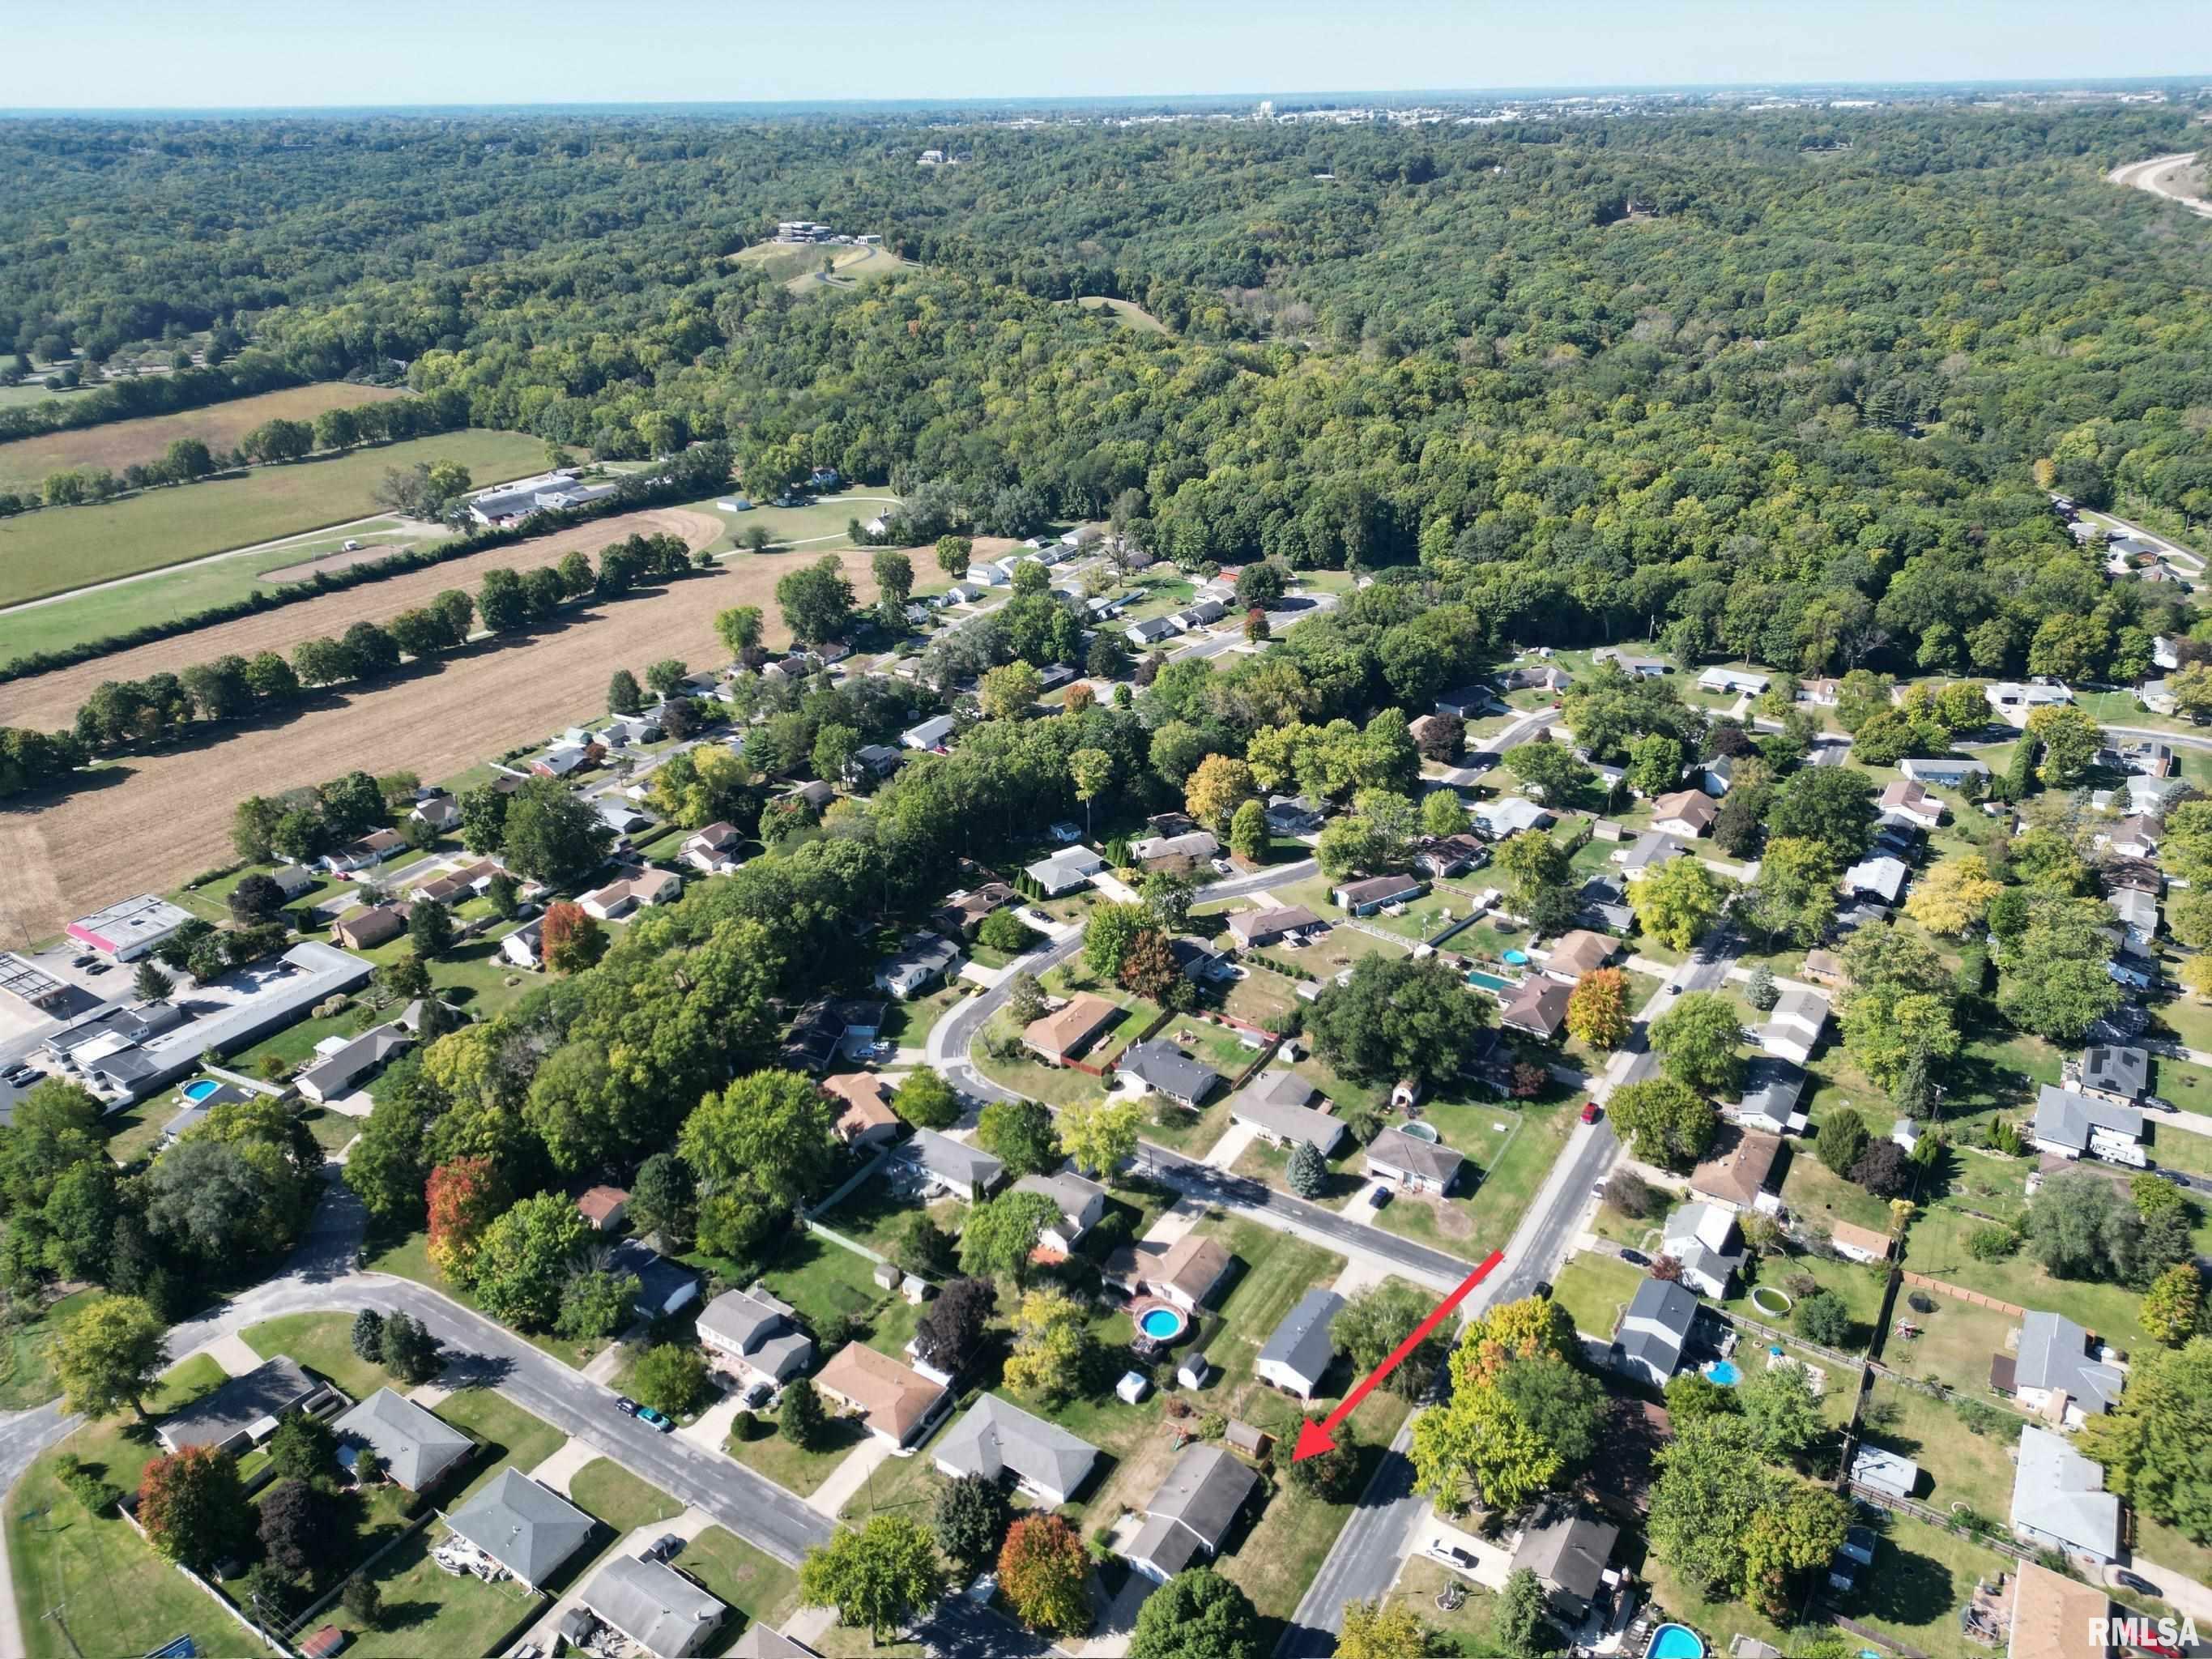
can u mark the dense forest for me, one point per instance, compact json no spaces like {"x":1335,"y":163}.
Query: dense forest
{"x":1778,"y":386}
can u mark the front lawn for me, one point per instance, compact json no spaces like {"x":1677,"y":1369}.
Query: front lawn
{"x":1594,"y":1288}
{"x":27,"y":1371}
{"x":507,"y":1435}
{"x":906,"y":1486}
{"x":409,"y":1258}
{"x":322,"y":1342}
{"x":796,"y":1469}
{"x":1191,"y":1133}
{"x":605,"y":1489}
{"x":760,"y":1587}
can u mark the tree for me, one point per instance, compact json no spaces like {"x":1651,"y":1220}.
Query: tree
{"x":368,"y":1336}
{"x":817,"y":601}
{"x":739,"y":628}
{"x":108,"y":1355}
{"x":1443,"y":813}
{"x":430,"y":929}
{"x":757,"y":1149}
{"x":670,"y":1376}
{"x":799,"y":1416}
{"x":1044,"y":1573}
{"x":1699,"y":1037}
{"x":1666,"y":1121}
{"x":569,"y":938}
{"x":971,"y":1519}
{"x":1676,"y":901}
{"x":1521,"y":1626}
{"x":595,"y":1303}
{"x":2052,"y":978}
{"x":663,"y":1202}
{"x":363,"y":1600}
{"x":1009,"y":691}
{"x":1249,"y":832}
{"x":1952,"y":898}
{"x":524,"y":1259}
{"x":2156,"y":1444}
{"x":2070,"y":741}
{"x":1397,"y":1017}
{"x":304,"y":1448}
{"x":1196,"y":1614}
{"x":2173,"y":1309}
{"x":946,"y":1335}
{"x":151,"y":984}
{"x":1548,"y":769}
{"x":1794,"y":897}
{"x":1149,"y":969}
{"x":1100,"y":1135}
{"x":465,"y":1196}
{"x":1090,"y":770}
{"x":1597,"y":1009}
{"x":1332,"y":1476}
{"x":625,"y":696}
{"x":1307,"y":1170}
{"x":1506,"y":1433}
{"x":1000,"y":1232}
{"x":878,"y":1576}
{"x":1842,"y":1138}
{"x":299,"y":1530}
{"x":551,"y":836}
{"x":894,"y":573}
{"x":1376,"y":1629}
{"x":1020,"y":1135}
{"x":1112,"y":929}
{"x":1884,"y":1169}
{"x":1831,"y":805}
{"x":194,"y":1508}
{"x":1731,"y":1525}
{"x":1373,"y":1323}
{"x":1540,"y":879}
{"x":953,"y":553}
{"x":1784,"y":1411}
{"x":1823,"y":1317}
{"x":1053,"y":1344}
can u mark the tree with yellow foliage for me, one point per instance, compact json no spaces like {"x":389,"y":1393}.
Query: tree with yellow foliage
{"x":1952,"y":898}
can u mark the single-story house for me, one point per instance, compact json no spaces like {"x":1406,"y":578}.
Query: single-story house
{"x":664,"y":1287}
{"x":527,"y":1528}
{"x":1906,"y":799}
{"x":1537,"y":677}
{"x":1654,"y":1330}
{"x":1884,"y":1472}
{"x":1148,"y":632}
{"x":2058,"y":1372}
{"x":1738,"y":1175}
{"x":1465,"y":702}
{"x":1190,"y":1516}
{"x":963,"y":912}
{"x":1875,"y":881}
{"x":665,"y":1612}
{"x":624,"y":819}
{"x":1647,"y":853}
{"x":1943,"y":773}
{"x":1538,"y":1005}
{"x":1293,"y":815}
{"x":2134,"y":836}
{"x":865,"y":1116}
{"x":438,"y":809}
{"x":1256,"y":929}
{"x":522,"y":946}
{"x":1187,"y":1272}
{"x":1298,"y":1354}
{"x":365,"y":853}
{"x":1569,"y":1552}
{"x":1579,"y":952}
{"x":2005,"y":695}
{"x":242,"y":1412}
{"x":291,"y":879}
{"x":1065,"y":871}
{"x":1771,"y":1089}
{"x":966,"y":1172}
{"x":1444,"y":856}
{"x":1276,"y":1106}
{"x":1181,"y":851}
{"x":1703,"y":1237}
{"x":1201,"y":613}
{"x":1365,"y":897}
{"x":1604,"y":902}
{"x":932,"y":733}
{"x":621,"y":899}
{"x":1425,"y":1166}
{"x":2138,"y":916}
{"x":756,"y":1336}
{"x":997,"y":1438}
{"x":1858,"y":1244}
{"x":922,"y":961}
{"x":2051,"y":1615}
{"x":413,"y":1446}
{"x":1687,"y":812}
{"x":2071,"y":1125}
{"x":1082,"y":1205}
{"x":561,"y":760}
{"x":1647,"y":668}
{"x":2116,"y":1072}
{"x":338,"y":1072}
{"x":1795,"y":1024}
{"x":712,"y":851}
{"x":1065,"y":1032}
{"x":1736,"y":680}
{"x":1509,"y":816}
{"x":2059,"y":1501}
{"x":372,"y":925}
{"x":896,"y":1403}
{"x":1825,"y":968}
{"x":458,"y":885}
{"x":603,"y":1206}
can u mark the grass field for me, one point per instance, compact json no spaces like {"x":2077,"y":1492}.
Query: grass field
{"x":322,"y":1342}
{"x":1127,"y":313}
{"x":59,"y":548}
{"x":618,"y":1497}
{"x":1594,"y":1288}
{"x":799,"y":265}
{"x":118,"y":444}
{"x":427,"y":1610}
{"x":758,"y":1585}
{"x":26,"y":1370}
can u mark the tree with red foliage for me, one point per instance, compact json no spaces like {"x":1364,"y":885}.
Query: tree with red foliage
{"x":570,"y":940}
{"x":1668,"y":1268}
{"x":1043,"y":1570}
{"x":194,"y":1507}
{"x":1529,"y":1080}
{"x":465,"y":1196}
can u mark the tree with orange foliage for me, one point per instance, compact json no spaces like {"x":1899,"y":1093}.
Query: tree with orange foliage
{"x":194,"y":1506}
{"x":1597,"y":1011}
{"x":569,"y":939}
{"x":1043,"y":1571}
{"x":465,"y":1196}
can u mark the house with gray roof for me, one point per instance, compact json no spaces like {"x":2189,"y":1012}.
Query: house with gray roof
{"x":244,"y":1410}
{"x":2059,"y":1501}
{"x":1569,"y":1551}
{"x":2116,"y":1072}
{"x":1065,"y":871}
{"x":1654,"y":1330}
{"x":527,"y":1528}
{"x":664,"y":1286}
{"x":1190,"y":1516}
{"x":1879,"y":880}
{"x":1702,"y":1238}
{"x":2058,"y":1371}
{"x":755,"y":1334}
{"x":1771,"y":1089}
{"x":1298,"y":1354}
{"x":923,"y":959}
{"x":1082,"y":1205}
{"x":664,"y":1612}
{"x":1165,"y":1069}
{"x":338,"y":1072}
{"x":1509,"y":816}
{"x":1647,"y":853}
{"x":997,"y":1438}
{"x":966,"y":1172}
{"x":414,"y":1447}
{"x":1276,"y":1106}
{"x":1885,"y":1472}
{"x":1425,"y":1166}
{"x":761,"y":1642}
{"x":1944,"y":774}
{"x":1795,"y":1024}
{"x":932,"y":733}
{"x":2138,"y":916}
{"x":2072,"y":1126}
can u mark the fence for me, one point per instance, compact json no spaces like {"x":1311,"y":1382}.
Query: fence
{"x":1957,"y":1293}
{"x":1992,"y":1538}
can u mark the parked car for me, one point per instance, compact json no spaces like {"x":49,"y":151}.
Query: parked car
{"x":1636,"y":1258}
{"x":1592,"y":1111}
{"x":1381,"y":1194}
{"x":758,"y":1393}
{"x":647,"y":1414}
{"x":625,"y":1405}
{"x":2128,"y":1581}
{"x":665,"y":1547}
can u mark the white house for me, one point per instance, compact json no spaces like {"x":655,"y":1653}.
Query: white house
{"x":2073,"y":1126}
{"x":997,"y":1438}
{"x":1298,"y":1354}
{"x":2059,"y":1371}
{"x":1065,"y":871}
{"x":755,"y":1336}
{"x":1793,"y":1029}
{"x":1688,"y":813}
{"x":1702,"y":1238}
{"x":1082,"y":1203}
{"x":1906,"y":799}
{"x":1733,"y":680}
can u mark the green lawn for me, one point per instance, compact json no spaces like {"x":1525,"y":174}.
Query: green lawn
{"x":1191,"y":1133}
{"x":1474,"y":1224}
{"x":58,"y":548}
{"x":795,"y":1469}
{"x":509,"y":1434}
{"x":27,"y":1373}
{"x":1594,"y":1288}
{"x":295,"y":1044}
{"x":427,"y":1610}
{"x":818,"y":527}
{"x":824,"y":1281}
{"x":1465,"y":1632}
{"x":758,"y":1584}
{"x":322,"y":1342}
{"x":409,"y":1258}
{"x":1937,"y":1246}
{"x":1922,"y":1575}
{"x":1956,"y":1466}
{"x":1858,"y":1287}
{"x":618,"y":1497}
{"x":900,"y":1486}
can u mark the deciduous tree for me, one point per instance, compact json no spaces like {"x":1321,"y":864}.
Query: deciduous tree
{"x":107,"y":1355}
{"x":1699,"y":1037}
{"x":1597,"y":1010}
{"x":1044,"y":1573}
{"x":194,"y":1508}
{"x":1676,"y":901}
{"x":1665,"y":1120}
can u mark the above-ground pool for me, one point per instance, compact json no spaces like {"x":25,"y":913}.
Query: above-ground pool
{"x":1675,"y":1642}
{"x":1420,"y":1131}
{"x":1481,"y":980}
{"x":1770,"y":1301}
{"x":1723,"y":1372}
{"x":1516,"y":958}
{"x":201,"y":1090}
{"x":1162,"y":1324}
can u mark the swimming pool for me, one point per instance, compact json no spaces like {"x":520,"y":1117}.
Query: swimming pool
{"x":1516,"y":958}
{"x":201,"y":1090}
{"x":1163,"y":1324}
{"x":1723,"y":1372}
{"x":1476,"y":977}
{"x":1675,"y":1642}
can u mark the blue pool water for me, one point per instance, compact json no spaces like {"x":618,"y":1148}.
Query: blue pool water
{"x":1675,"y":1642}
{"x":1724,"y":1373}
{"x":202,"y":1090}
{"x":1476,"y":977}
{"x":1516,"y":957}
{"x":1160,"y":1323}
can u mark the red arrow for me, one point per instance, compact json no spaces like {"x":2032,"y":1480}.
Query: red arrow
{"x":1313,"y":1437}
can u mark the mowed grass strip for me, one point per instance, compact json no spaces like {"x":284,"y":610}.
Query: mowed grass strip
{"x":118,"y":444}
{"x":58,"y":548}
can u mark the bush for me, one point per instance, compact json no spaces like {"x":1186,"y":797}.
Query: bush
{"x":1991,"y":1422}
{"x":1921,"y":1303}
{"x":1823,"y":1318}
{"x":1631,"y":1193}
{"x":1993,"y":1243}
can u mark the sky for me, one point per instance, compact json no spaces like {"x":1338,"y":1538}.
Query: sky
{"x":215,"y":54}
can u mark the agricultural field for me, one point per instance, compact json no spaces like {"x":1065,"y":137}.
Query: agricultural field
{"x":58,"y":548}
{"x":118,"y":444}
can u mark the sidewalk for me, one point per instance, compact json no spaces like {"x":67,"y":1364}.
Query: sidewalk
{"x":849,"y":1476}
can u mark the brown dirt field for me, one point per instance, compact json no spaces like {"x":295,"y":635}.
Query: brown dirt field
{"x":367,"y":554}
{"x":52,"y":700}
{"x":169,"y":817}
{"x":119,"y":444}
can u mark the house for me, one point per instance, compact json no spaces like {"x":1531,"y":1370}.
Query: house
{"x":2130,"y":968}
{"x":1884,"y":1472}
{"x":1276,"y":1106}
{"x":1569,"y":1551}
{"x":1293,"y":815}
{"x":439,"y":810}
{"x":1166,"y":1070}
{"x":1466,"y":703}
{"x":664,"y":1287}
{"x":864,"y":1118}
{"x":2054,"y":1617}
{"x":412,"y":1446}
{"x":293,"y":880}
{"x":712,"y":851}
{"x":1365,"y":897}
{"x":365,"y":853}
{"x":2138,"y":916}
{"x":2059,"y":1501}
{"x":1654,"y":1330}
{"x":872,"y":763}
{"x":522,"y":946}
{"x":2140,"y":874}
{"x":1604,"y":903}
{"x":1875,"y":881}
{"x":1738,"y":1176}
{"x":1509,"y":816}
{"x":1647,"y":668}
{"x":1255,"y":929}
{"x":1702,"y":1238}
{"x":2116,"y":1073}
{"x":1858,"y":1244}
{"x":561,"y":760}
{"x":1059,"y":1036}
{"x":1065,"y":871}
{"x":370,"y":925}
{"x":1178,"y":853}
{"x":963,"y":912}
{"x":1297,"y":1356}
{"x":1190,"y":1516}
{"x":1444,"y":856}
{"x":1579,"y":952}
{"x":1944,"y":774}
{"x":1082,"y":1206}
{"x":1148,"y":632}
{"x":338,"y":1072}
{"x":527,"y":1528}
{"x":242,"y":1412}
{"x":665,"y":1612}
{"x":997,"y":1439}
{"x":1718,"y":775}
{"x":1199,"y":961}
{"x":2006,"y":695}
{"x":965,"y":593}
{"x":896,"y":1402}
{"x":1824,"y":968}
{"x":2133,"y":837}
{"x":1687,"y":812}
{"x":755,"y":1336}
{"x":2058,"y":1372}
{"x":603,"y":1206}
{"x":1794,"y":1025}
{"x":1418,"y":1166}
{"x":621,"y":899}
{"x":2073,"y":1126}
{"x":1733,"y":680}
{"x":1538,"y":1005}
{"x":1204,"y":613}
{"x":1537,"y":677}
{"x":2157,"y":696}
{"x":923,"y":959}
{"x":1907,"y":800}
{"x":1647,"y":853}
{"x":1187,"y":1272}
{"x":458,"y":885}
{"x":965,"y":1172}
{"x":932,"y":733}
{"x":1772,"y":1089}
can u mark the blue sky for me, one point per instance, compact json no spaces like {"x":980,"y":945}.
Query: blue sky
{"x":229,"y":54}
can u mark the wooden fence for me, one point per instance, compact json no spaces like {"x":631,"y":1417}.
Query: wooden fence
{"x":1959,"y":1293}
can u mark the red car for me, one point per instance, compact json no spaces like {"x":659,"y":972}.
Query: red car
{"x":1592,"y":1111}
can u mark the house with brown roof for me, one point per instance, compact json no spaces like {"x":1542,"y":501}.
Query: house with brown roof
{"x":864,"y":1117}
{"x":963,"y":912}
{"x":1858,"y":1244}
{"x":1255,"y":929}
{"x":712,"y":851}
{"x":370,"y":925}
{"x":1906,"y":801}
{"x":897,"y":1401}
{"x":2055,"y":1617}
{"x":1579,"y":952}
{"x":1687,"y":812}
{"x":603,"y":1207}
{"x":1740,"y":1175}
{"x":619,"y":898}
{"x":1186,"y":1273}
{"x":1061,"y":1035}
{"x":1538,"y":1006}
{"x":458,"y":886}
